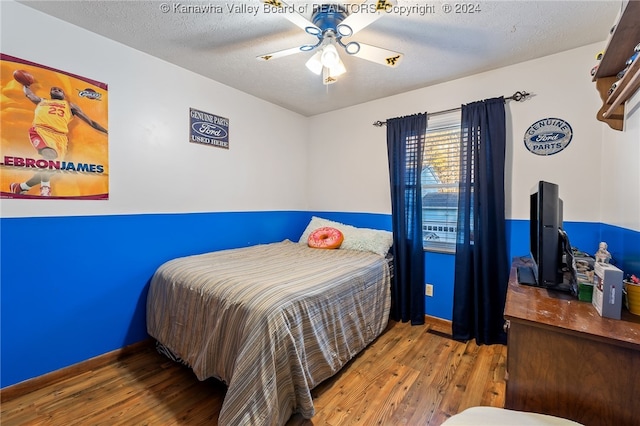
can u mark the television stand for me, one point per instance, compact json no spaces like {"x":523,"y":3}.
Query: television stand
{"x":565,"y":360}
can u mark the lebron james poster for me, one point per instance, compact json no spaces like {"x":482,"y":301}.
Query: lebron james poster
{"x":54,"y":137}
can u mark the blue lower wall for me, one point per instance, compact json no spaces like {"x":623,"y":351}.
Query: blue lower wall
{"x":624,"y":246}
{"x":73,"y":288}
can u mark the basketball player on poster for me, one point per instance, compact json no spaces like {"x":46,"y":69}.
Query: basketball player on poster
{"x":49,"y":131}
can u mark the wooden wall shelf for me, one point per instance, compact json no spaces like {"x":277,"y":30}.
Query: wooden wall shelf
{"x":625,"y":37}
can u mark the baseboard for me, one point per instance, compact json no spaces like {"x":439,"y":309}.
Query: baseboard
{"x":438,"y":321}
{"x":437,"y":325}
{"x":27,"y":386}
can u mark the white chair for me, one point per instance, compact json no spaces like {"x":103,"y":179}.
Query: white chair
{"x":493,"y":416}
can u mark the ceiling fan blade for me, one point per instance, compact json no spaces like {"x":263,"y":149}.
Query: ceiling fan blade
{"x":327,"y":78}
{"x":289,"y":12}
{"x":279,"y":54}
{"x":379,"y":55}
{"x":357,"y":21}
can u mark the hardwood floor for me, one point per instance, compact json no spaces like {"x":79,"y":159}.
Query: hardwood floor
{"x":411,"y":375}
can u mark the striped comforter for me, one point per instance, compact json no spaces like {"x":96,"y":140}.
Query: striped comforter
{"x":271,"y":321}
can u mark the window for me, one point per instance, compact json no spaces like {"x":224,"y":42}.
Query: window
{"x":439,"y":181}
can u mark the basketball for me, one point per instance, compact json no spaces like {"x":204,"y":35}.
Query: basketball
{"x":23,"y":77}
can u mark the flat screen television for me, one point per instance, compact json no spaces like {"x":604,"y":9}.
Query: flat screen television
{"x":545,"y":238}
{"x":545,"y":243}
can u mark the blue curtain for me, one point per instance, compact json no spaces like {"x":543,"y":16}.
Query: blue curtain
{"x":405,"y":141}
{"x":481,"y":264}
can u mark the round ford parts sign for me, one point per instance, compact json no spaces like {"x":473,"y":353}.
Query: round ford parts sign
{"x":548,"y":136}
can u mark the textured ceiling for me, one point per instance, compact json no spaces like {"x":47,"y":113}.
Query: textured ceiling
{"x":221,"y":40}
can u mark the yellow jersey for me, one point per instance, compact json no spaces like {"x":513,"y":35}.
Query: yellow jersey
{"x":53,"y":114}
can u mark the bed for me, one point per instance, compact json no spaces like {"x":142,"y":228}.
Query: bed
{"x":270,"y":321}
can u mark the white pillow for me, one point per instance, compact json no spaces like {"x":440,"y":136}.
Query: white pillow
{"x":363,"y":239}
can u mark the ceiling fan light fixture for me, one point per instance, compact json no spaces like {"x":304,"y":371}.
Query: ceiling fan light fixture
{"x":330,"y":23}
{"x":315,"y":64}
{"x":330,"y":57}
{"x":337,"y":69}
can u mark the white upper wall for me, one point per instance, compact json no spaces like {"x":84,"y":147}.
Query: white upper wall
{"x":153,"y":166}
{"x":347,"y":154}
{"x":337,"y":161}
{"x":620,"y":166}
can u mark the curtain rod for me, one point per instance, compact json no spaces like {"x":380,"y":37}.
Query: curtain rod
{"x":518,"y":96}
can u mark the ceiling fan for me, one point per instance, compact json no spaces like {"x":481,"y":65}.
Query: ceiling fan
{"x":330,"y":23}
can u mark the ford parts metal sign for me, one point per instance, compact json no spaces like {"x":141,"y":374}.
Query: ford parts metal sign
{"x":208,"y":129}
{"x":548,"y":136}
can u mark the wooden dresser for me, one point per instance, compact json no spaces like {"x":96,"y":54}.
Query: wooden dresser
{"x":563,"y":359}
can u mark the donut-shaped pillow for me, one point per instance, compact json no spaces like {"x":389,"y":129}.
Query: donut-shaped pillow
{"x":325,"y":238}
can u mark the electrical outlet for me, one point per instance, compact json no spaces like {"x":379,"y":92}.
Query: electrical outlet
{"x":428,"y":289}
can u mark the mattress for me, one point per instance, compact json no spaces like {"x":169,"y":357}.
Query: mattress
{"x":271,"y":321}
